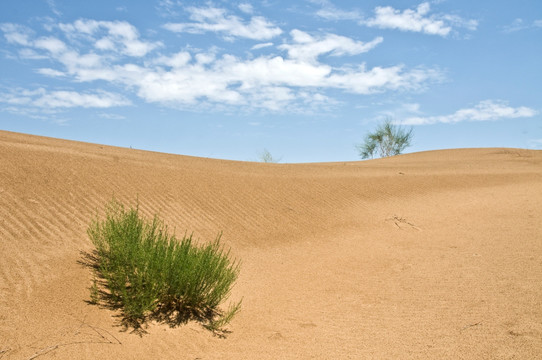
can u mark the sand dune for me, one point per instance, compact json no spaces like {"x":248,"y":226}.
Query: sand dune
{"x":433,"y":255}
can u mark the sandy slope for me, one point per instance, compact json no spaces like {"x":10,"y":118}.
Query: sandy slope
{"x":433,"y":255}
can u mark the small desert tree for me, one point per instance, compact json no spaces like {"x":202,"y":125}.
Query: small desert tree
{"x":266,"y":157}
{"x":388,"y":139}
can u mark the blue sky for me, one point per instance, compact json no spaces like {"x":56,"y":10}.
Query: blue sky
{"x":305,"y":80}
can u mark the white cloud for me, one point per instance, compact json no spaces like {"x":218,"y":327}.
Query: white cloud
{"x":16,"y":34}
{"x":120,"y":36}
{"x":272,"y":71}
{"x":274,"y":98}
{"x":31,"y":54}
{"x":110,"y":39}
{"x":67,"y":99}
{"x":50,"y":72}
{"x":418,"y":20}
{"x":408,"y":20}
{"x":261,"y":45}
{"x":518,"y":25}
{"x":51,"y":44}
{"x":307,"y":48}
{"x":264,"y":82}
{"x":183,"y":85}
{"x":115,"y":37}
{"x":53,"y":7}
{"x":487,"y":110}
{"x":246,"y":8}
{"x":395,"y":111}
{"x":217,"y":20}
{"x":469,"y":24}
{"x":379,"y":79}
{"x":112,"y":116}
{"x":329,"y":12}
{"x":336,"y":14}
{"x":411,"y":107}
{"x":167,"y":8}
{"x":41,"y":98}
{"x":175,"y":61}
{"x":85,"y":67}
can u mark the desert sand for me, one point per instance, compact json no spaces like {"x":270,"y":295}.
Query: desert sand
{"x":432,"y":255}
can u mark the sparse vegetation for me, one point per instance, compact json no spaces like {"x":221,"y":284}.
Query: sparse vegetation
{"x":388,"y":140}
{"x":149,"y":274}
{"x":266,"y":157}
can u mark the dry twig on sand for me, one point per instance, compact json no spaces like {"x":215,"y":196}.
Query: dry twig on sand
{"x":102,"y":340}
{"x":471,"y":325}
{"x":400,"y":220}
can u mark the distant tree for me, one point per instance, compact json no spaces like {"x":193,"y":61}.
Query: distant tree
{"x":388,"y":140}
{"x":266,"y":157}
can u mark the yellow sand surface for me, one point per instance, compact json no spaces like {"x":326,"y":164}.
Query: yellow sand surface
{"x":432,"y":255}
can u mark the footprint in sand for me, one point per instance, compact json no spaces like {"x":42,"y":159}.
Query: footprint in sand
{"x":401,"y":222}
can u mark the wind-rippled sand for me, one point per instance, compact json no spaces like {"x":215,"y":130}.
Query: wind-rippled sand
{"x":433,"y":255}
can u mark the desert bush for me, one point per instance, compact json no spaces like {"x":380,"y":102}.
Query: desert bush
{"x":266,"y":157}
{"x":150,"y":274}
{"x":388,"y":138}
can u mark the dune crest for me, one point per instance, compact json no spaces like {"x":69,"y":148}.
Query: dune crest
{"x":428,"y":255}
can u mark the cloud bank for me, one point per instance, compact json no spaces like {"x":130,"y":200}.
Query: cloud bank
{"x":487,"y":110}
{"x":294,"y":74}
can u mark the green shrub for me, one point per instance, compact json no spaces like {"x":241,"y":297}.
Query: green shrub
{"x":388,"y":138}
{"x":150,"y":274}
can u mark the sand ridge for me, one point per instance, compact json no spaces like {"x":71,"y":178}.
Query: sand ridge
{"x":428,"y":255}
